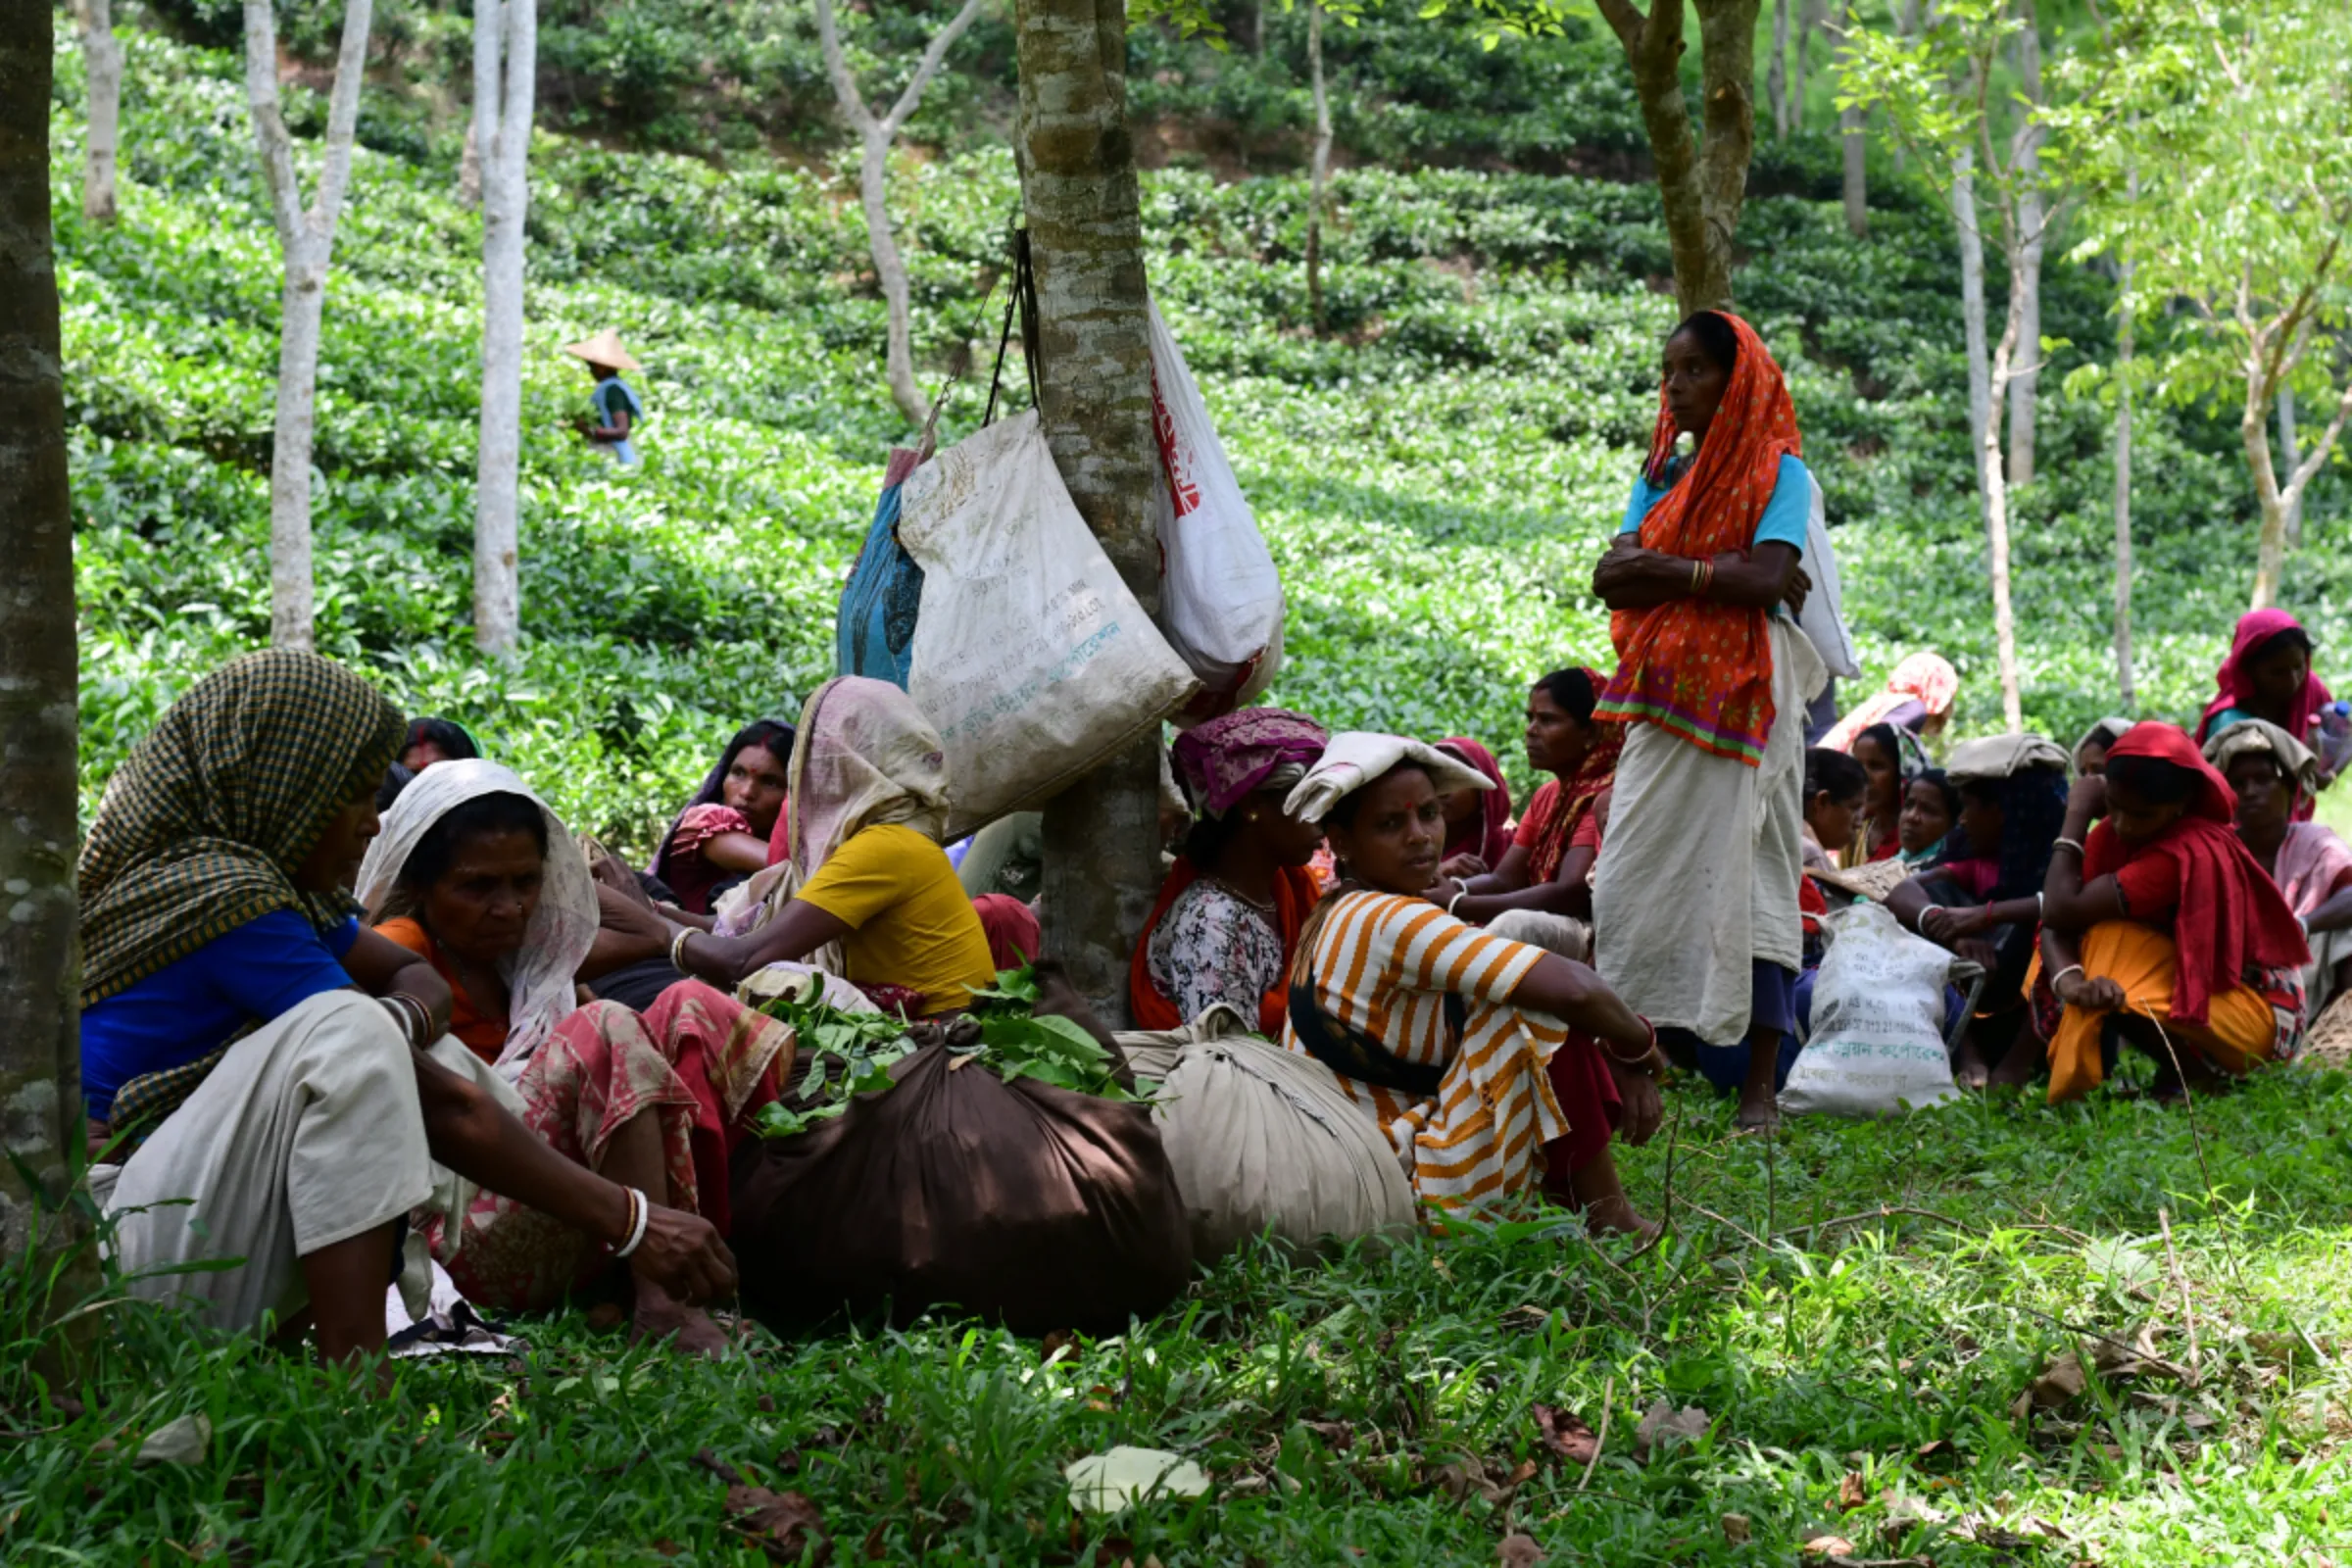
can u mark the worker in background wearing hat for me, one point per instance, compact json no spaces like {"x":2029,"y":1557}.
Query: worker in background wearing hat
{"x":616,"y":404}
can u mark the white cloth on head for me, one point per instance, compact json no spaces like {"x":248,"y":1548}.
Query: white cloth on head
{"x":1355,"y":758}
{"x":1697,"y":876}
{"x":2002,"y":756}
{"x":540,"y":976}
{"x":865,"y":757}
{"x":308,"y":1133}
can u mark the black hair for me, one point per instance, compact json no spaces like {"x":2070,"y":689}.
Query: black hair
{"x":1571,"y":690}
{"x":1882,"y":735}
{"x":447,"y":736}
{"x":1937,"y":779}
{"x":2152,"y":778}
{"x":502,"y":812}
{"x":399,"y":776}
{"x":1830,"y":771}
{"x":2033,"y":807}
{"x":1716,"y":339}
{"x":2290,"y":637}
{"x":773,"y":736}
{"x":1342,"y":810}
{"x":1207,"y":838}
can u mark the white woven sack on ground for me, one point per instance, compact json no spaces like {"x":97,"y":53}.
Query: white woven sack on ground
{"x":1264,"y":1139}
{"x":1030,"y":656}
{"x":1220,"y":597}
{"x":1877,"y":1044}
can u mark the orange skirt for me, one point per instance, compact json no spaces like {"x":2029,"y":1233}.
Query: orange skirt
{"x":2240,"y":1029}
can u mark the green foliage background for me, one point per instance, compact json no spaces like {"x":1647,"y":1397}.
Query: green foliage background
{"x":1435,"y":476}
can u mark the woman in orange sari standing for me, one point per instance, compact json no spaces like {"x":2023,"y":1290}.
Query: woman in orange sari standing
{"x":1694,"y":906}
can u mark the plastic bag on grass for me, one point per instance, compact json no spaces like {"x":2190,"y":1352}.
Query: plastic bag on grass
{"x":1220,"y":597}
{"x":1876,"y":1045}
{"x":1030,"y":655}
{"x":1265,"y":1139}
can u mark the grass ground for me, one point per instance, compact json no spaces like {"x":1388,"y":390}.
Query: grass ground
{"x":1858,"y":1309}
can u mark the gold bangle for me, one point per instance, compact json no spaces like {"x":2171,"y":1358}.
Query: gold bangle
{"x":677,"y":948}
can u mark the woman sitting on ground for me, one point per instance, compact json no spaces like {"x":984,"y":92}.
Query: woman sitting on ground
{"x":436,"y":740}
{"x":1230,"y":912}
{"x":1931,"y":809}
{"x":478,"y":877}
{"x":2159,"y":925}
{"x":268,"y":1051}
{"x":1547,"y":866}
{"x":722,"y":835}
{"x":1487,"y":1060}
{"x":1982,"y":900}
{"x":2268,"y":675}
{"x":2270,"y":774}
{"x":2090,"y":752}
{"x":1917,"y":700}
{"x":1478,"y":822}
{"x":868,"y":804}
{"x":1837,"y":792}
{"x":1891,"y":757}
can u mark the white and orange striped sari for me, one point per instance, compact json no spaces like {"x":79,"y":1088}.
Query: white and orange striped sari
{"x":1386,"y":965}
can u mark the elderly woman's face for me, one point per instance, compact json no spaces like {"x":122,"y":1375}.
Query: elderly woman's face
{"x":481,"y":907}
{"x":2264,"y":802}
{"x":1399,"y":830}
{"x":333,"y":863}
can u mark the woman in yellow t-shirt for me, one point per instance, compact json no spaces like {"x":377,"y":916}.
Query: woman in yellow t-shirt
{"x":869,"y":801}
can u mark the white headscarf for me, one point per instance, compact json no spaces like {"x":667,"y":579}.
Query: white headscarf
{"x":540,"y":975}
{"x":866,"y":755}
{"x":1357,"y":758}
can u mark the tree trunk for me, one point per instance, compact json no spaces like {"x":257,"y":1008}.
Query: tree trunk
{"x":1701,"y":190}
{"x":1972,"y":296}
{"x":1808,"y":21}
{"x":2290,"y":448}
{"x":305,"y":240}
{"x":875,"y":135}
{"x":2025,"y":383}
{"x":506,"y":54}
{"x":1776,"y":70}
{"x":1995,"y":487}
{"x":470,"y":167}
{"x":40,"y":1028}
{"x":2265,"y":373}
{"x":1080,"y":196}
{"x":1852,"y":124}
{"x":2123,"y":484}
{"x":1319,"y":167}
{"x":102,"y":67}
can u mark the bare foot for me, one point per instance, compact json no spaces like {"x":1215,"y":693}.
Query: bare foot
{"x":1758,"y":1114}
{"x":1616,"y":1216}
{"x":662,"y":1316}
{"x":1969,"y":1069}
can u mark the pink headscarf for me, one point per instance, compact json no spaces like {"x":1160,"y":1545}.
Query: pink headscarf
{"x":1229,"y":758}
{"x":1487,"y":835}
{"x":1925,"y":679}
{"x":2255,"y":629}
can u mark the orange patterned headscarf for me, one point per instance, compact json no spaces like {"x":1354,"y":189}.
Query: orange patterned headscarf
{"x":1702,"y":671}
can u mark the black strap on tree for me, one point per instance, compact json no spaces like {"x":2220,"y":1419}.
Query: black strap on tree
{"x":1024,"y":300}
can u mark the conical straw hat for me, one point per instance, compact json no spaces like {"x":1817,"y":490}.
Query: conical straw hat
{"x":604,"y":349}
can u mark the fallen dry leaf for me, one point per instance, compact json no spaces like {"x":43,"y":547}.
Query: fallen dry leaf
{"x":1851,"y":1493}
{"x":1335,"y":1435}
{"x":1828,"y":1546}
{"x":2062,"y":1380}
{"x":1663,"y":1425}
{"x":1052,"y":1345}
{"x":1465,"y":1476}
{"x":1522,"y":1472}
{"x":1565,"y":1436}
{"x":1519,"y":1552}
{"x":784,"y":1524}
{"x":1736,"y":1530}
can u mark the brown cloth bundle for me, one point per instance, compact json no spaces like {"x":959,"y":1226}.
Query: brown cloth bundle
{"x":1021,"y":1202}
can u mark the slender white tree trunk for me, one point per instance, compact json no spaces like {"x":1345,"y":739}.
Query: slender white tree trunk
{"x":2290,"y":448}
{"x":2123,"y":485}
{"x":505,"y":51}
{"x":2264,"y":374}
{"x":1319,"y":166}
{"x":1082,"y":200}
{"x":102,"y":67}
{"x":1972,"y":295}
{"x":470,"y":167}
{"x":1995,"y":487}
{"x":1775,"y":71}
{"x":2025,"y":384}
{"x":1851,"y":124}
{"x":1808,"y":20}
{"x":306,"y":239}
{"x":876,"y":133}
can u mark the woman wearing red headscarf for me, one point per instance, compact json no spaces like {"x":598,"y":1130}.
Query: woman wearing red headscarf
{"x":2160,"y":922}
{"x":1558,"y":837}
{"x":2268,"y":675}
{"x":1695,"y":902}
{"x":1478,"y":822}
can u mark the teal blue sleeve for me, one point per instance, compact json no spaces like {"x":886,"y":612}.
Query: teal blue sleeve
{"x":1637,"y":505}
{"x":1791,"y":508}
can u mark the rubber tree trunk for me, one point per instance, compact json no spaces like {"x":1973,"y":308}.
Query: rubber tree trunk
{"x":1808,"y":19}
{"x":1319,"y":167}
{"x":1852,"y":124}
{"x":1080,"y":197}
{"x":505,"y":65}
{"x":2290,"y":449}
{"x":102,"y":68}
{"x":1995,"y":487}
{"x":1775,"y":71}
{"x":40,"y":1028}
{"x":2025,"y":384}
{"x":2123,"y":485}
{"x":307,"y":240}
{"x":876,"y":134}
{"x":2267,"y":364}
{"x":1701,"y":188}
{"x":1971,"y":235}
